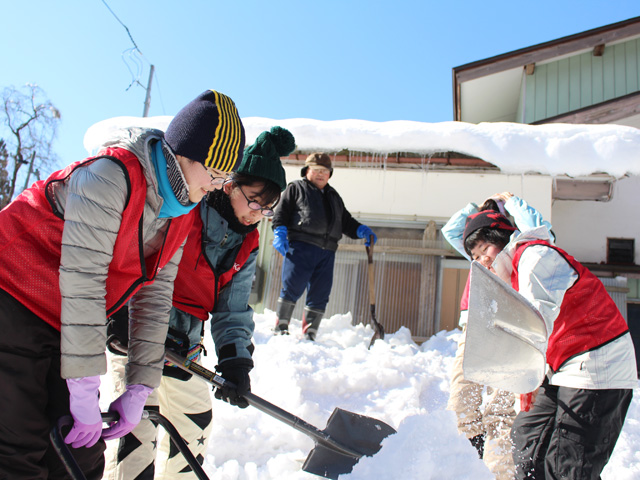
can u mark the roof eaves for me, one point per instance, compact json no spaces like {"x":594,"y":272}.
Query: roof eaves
{"x":540,"y":52}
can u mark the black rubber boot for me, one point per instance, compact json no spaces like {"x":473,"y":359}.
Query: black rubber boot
{"x":311,"y":319}
{"x":478,"y":443}
{"x":284,"y":310}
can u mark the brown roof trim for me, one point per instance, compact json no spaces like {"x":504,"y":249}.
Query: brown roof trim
{"x":540,"y":52}
{"x":604,"y":112}
{"x":444,"y":159}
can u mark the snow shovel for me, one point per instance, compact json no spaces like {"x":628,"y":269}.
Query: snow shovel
{"x":72,"y":467}
{"x":506,"y":336}
{"x":379,"y":330}
{"x":346,"y":438}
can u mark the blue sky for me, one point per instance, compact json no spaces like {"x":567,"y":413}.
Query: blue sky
{"x":327,"y":60}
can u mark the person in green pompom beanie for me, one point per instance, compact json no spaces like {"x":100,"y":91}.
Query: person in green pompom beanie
{"x":262,"y":159}
{"x":214,"y":280}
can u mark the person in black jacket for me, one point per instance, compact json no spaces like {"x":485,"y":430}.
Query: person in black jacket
{"x":308,"y":223}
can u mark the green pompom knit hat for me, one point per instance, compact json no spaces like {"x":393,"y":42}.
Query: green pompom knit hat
{"x":262,"y":159}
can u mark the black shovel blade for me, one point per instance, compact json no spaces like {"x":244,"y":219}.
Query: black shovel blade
{"x":357,"y":432}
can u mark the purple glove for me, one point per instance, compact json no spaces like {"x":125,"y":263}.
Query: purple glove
{"x":129,"y":406}
{"x":85,"y":410}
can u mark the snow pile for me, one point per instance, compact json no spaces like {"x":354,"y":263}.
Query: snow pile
{"x":553,"y":149}
{"x":396,"y":381}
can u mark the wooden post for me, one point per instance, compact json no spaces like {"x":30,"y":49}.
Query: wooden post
{"x":426,"y":315}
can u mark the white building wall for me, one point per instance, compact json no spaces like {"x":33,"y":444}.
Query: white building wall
{"x":582,"y":227}
{"x":403,"y":194}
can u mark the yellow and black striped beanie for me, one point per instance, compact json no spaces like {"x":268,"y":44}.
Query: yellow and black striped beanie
{"x":208,"y":130}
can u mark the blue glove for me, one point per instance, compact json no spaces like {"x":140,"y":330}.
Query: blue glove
{"x":365,"y":232}
{"x":280,"y":241}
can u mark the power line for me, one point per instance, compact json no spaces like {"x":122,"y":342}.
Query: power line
{"x":136,"y":77}
{"x":125,"y":27}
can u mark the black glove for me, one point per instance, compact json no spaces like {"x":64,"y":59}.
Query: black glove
{"x":236,"y":372}
{"x":177,"y":342}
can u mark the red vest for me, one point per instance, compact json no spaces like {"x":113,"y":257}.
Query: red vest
{"x":197,"y":287}
{"x":588,"y":317}
{"x":31,"y":236}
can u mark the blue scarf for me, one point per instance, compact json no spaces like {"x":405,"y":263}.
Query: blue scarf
{"x":171,"y":207}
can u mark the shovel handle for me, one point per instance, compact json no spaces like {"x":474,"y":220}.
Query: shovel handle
{"x":379,"y":329}
{"x":370,"y":249}
{"x":262,"y":405}
{"x":255,"y":401}
{"x":372,"y":276}
{"x":372,"y":286}
{"x":61,"y":448}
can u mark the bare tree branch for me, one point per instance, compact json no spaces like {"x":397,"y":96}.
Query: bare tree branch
{"x":29,"y":124}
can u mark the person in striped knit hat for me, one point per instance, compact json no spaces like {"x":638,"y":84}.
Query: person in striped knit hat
{"x":74,"y":248}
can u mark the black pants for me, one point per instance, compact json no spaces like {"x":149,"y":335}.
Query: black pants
{"x":32,"y":398}
{"x":569,"y":433}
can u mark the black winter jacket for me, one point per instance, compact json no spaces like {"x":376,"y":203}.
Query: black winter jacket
{"x":313,"y":216}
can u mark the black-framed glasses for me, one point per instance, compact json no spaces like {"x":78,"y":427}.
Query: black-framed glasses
{"x":216,"y":181}
{"x":253,"y":205}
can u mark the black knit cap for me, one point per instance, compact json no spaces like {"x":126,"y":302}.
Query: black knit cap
{"x":317,"y":159}
{"x":486,"y":219}
{"x":208,"y":130}
{"x":262,"y":159}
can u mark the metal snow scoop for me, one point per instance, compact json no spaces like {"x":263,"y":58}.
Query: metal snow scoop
{"x":379,"y":329}
{"x":506,"y":336}
{"x":346,"y":438}
{"x":62,"y":449}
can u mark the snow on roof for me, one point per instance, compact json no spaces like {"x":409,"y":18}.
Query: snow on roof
{"x":553,"y":149}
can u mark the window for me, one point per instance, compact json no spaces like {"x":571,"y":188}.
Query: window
{"x":620,"y":250}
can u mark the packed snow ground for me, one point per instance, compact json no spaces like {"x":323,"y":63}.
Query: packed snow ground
{"x":396,"y":381}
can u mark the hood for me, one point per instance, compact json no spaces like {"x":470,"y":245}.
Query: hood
{"x":504,"y":261}
{"x":138,"y":141}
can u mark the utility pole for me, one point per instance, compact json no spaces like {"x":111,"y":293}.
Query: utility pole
{"x":26,"y":182}
{"x":147,"y":100}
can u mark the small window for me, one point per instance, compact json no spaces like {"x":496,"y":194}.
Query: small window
{"x":620,"y":250}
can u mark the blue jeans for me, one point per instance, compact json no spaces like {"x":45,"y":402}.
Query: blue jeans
{"x":308,"y":267}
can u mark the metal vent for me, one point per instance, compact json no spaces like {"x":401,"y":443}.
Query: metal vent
{"x":620,"y":250}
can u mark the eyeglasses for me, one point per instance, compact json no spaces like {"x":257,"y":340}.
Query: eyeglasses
{"x":253,"y":205}
{"x":320,"y":169}
{"x":215,"y":180}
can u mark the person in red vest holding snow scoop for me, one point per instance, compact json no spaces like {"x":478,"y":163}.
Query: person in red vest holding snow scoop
{"x":578,"y":411}
{"x":76,"y":247}
{"x":214,"y":281}
{"x":486,"y":422}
